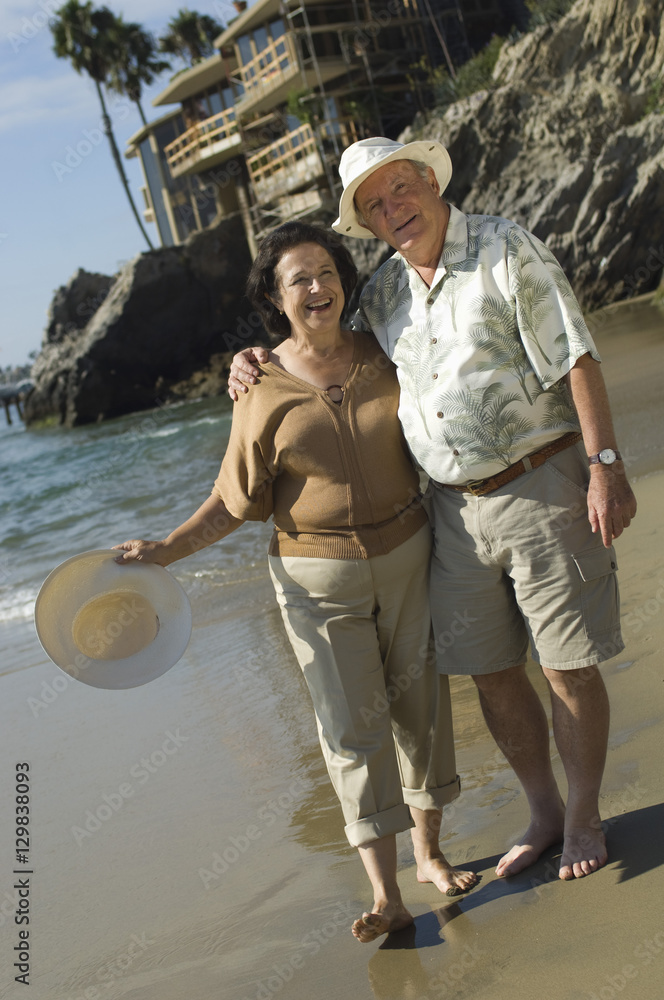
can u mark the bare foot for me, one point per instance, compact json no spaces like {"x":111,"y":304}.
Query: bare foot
{"x":451,"y":881}
{"x":384,"y":919}
{"x":584,"y":852}
{"x":537,"y":838}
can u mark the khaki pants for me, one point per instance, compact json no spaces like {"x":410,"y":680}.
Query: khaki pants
{"x":361,"y":632}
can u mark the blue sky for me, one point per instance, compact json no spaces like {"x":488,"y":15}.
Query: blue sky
{"x":52,"y":222}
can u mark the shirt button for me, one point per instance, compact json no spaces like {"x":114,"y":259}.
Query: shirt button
{"x":455,"y":452}
{"x":435,"y":374}
{"x":434,"y":340}
{"x":439,"y":414}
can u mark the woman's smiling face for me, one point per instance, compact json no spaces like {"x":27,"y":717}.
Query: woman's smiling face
{"x":308,"y":289}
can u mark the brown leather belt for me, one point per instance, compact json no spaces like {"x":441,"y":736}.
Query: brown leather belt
{"x":478,"y":487}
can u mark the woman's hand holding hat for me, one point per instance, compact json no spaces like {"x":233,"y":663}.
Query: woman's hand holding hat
{"x":143,"y":551}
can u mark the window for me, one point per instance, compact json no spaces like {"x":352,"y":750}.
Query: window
{"x":260,"y":39}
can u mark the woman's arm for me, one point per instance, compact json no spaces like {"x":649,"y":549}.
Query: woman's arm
{"x":211,"y":522}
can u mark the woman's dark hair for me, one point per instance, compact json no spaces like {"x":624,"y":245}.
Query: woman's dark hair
{"x":262,"y":277}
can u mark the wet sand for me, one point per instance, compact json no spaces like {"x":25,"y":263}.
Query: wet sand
{"x":186,"y":842}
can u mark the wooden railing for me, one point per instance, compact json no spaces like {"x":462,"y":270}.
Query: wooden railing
{"x":270,"y":67}
{"x":282,"y":154}
{"x":285,"y":153}
{"x":189,"y":146}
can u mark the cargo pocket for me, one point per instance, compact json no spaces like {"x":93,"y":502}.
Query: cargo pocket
{"x":600,"y":604}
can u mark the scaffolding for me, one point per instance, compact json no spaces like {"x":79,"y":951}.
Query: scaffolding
{"x":372,"y":78}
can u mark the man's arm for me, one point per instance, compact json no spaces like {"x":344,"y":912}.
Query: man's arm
{"x":243,"y":374}
{"x":611,"y":503}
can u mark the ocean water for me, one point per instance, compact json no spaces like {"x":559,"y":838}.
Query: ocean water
{"x":66,"y":491}
{"x":226,"y":856}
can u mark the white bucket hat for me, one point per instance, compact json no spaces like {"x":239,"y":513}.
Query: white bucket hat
{"x":109,"y":625}
{"x":367,"y":155}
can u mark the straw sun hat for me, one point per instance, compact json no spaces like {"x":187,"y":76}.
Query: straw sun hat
{"x":363,"y":157}
{"x":112,"y":626}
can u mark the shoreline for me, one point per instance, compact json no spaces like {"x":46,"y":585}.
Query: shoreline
{"x":222,"y":870}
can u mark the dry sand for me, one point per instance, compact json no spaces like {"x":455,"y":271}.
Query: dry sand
{"x":186,"y":843}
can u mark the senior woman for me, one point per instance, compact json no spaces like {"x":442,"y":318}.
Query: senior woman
{"x":318,"y":447}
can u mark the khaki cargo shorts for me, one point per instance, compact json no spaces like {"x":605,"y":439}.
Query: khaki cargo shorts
{"x":521,"y":566}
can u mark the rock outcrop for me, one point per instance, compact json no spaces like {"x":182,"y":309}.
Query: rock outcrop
{"x":566,"y":145}
{"x":115,"y":345}
{"x":75,"y":303}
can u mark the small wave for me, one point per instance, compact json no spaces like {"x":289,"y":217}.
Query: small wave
{"x":17,"y":605}
{"x":163,"y":432}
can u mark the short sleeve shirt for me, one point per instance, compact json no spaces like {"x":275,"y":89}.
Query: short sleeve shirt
{"x":481,"y":354}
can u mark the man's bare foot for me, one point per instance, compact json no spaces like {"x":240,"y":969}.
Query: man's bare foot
{"x":450,"y":881}
{"x":584,"y":852}
{"x":383,"y":919}
{"x":537,"y":838}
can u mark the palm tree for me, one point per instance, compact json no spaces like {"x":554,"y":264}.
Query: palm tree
{"x":135,"y":62}
{"x":84,"y":35}
{"x":190,"y":36}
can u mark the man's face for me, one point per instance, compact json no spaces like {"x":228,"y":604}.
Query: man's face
{"x":403,"y":208}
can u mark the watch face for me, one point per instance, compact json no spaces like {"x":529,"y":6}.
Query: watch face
{"x":607,"y":456}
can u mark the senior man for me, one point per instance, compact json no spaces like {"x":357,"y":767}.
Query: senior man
{"x":504,"y":406}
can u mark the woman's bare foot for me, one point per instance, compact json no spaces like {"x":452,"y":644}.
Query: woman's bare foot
{"x":451,"y":881}
{"x":584,"y":852}
{"x":537,"y":838}
{"x":384,"y":919}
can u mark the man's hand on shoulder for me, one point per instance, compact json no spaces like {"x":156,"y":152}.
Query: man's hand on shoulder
{"x":243,"y":374}
{"x":611,"y":503}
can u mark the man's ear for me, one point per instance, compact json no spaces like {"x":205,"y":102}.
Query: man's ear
{"x":433,"y":180}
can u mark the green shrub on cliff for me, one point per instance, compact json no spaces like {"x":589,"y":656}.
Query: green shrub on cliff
{"x":477,"y":73}
{"x":655,"y":101}
{"x":546,"y":11}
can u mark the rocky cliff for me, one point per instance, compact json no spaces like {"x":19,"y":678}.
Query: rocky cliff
{"x":570,"y":144}
{"x":114,"y":345}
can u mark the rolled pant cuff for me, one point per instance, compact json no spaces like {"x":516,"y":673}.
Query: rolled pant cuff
{"x":432,"y":798}
{"x":381,"y":824}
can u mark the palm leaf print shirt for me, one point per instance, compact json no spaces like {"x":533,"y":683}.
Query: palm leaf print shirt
{"x":481,"y":354}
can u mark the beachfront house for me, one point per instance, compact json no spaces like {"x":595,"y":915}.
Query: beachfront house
{"x":259,"y":127}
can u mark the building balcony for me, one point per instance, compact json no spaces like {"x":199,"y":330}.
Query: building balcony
{"x":294,"y":161}
{"x":270,"y":69}
{"x":285,"y":165}
{"x":276,"y":71}
{"x":204,"y":144}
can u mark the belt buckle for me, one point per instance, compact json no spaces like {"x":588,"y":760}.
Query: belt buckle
{"x":475,"y":486}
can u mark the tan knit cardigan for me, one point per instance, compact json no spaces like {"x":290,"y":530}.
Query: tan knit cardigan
{"x":337,"y":479}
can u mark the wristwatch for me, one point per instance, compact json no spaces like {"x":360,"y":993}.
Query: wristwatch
{"x":607,"y":456}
